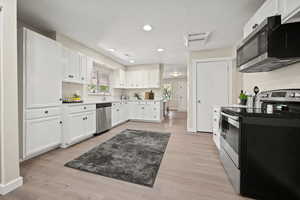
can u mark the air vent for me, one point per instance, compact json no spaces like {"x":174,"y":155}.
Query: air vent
{"x":197,"y":39}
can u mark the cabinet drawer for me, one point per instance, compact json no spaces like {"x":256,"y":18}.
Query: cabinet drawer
{"x":81,"y":108}
{"x":42,"y":112}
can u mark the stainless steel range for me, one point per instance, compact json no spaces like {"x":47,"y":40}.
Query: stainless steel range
{"x":260,"y":146}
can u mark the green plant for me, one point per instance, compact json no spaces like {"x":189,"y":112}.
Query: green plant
{"x":243,"y":96}
{"x":137,"y":96}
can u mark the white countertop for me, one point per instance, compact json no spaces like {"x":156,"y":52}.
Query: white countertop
{"x":110,"y":101}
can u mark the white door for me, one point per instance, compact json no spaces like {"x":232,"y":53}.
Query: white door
{"x":212,"y":89}
{"x":90,"y":123}
{"x":77,"y":127}
{"x":43,"y":71}
{"x":42,"y":134}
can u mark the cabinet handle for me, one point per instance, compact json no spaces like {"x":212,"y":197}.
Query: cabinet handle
{"x":60,"y":122}
{"x":60,"y":99}
{"x":71,"y":76}
{"x":82,"y":78}
{"x":46,"y":111}
{"x":84,"y":108}
{"x":254,"y":26}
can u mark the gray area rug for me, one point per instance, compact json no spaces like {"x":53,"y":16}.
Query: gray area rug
{"x":132,"y":155}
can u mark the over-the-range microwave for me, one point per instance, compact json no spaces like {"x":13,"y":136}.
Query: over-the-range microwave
{"x":270,"y":46}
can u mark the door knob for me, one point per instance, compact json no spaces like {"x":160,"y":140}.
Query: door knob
{"x":199,"y":101}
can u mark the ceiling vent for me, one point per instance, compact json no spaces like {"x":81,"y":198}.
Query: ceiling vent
{"x":196,"y":39}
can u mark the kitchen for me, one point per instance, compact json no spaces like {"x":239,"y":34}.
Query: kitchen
{"x":159,"y":105}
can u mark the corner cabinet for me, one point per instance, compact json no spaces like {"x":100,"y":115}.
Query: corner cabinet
{"x":79,"y":123}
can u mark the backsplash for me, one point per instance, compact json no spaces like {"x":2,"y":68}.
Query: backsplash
{"x":284,"y":78}
{"x":130,"y":93}
{"x":69,"y":89}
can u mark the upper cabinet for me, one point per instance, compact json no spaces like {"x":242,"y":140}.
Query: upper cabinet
{"x":75,"y":66}
{"x":285,"y":8}
{"x":42,"y":70}
{"x":289,"y":8}
{"x":269,"y":8}
{"x":138,"y":77}
{"x":119,"y":78}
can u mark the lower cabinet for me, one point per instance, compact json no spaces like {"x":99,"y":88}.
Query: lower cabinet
{"x":145,"y":111}
{"x":42,"y":134}
{"x":119,"y":113}
{"x":217,"y":126}
{"x":78,"y":125}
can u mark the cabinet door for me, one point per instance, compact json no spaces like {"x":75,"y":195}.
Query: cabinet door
{"x":115,"y":114}
{"x":42,"y":134}
{"x":76,"y":127}
{"x":289,"y":7}
{"x":154,"y":78}
{"x":89,"y":69}
{"x":43,"y":71}
{"x":83,"y":69}
{"x":90,"y":123}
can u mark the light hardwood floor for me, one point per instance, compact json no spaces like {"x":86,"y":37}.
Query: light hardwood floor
{"x":190,"y":170}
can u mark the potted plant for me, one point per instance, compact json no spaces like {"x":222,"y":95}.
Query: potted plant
{"x":243,"y":98}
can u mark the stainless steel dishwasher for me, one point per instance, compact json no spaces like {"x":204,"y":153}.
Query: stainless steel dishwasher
{"x":103,"y":117}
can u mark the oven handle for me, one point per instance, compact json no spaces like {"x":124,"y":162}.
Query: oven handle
{"x":233,"y":120}
{"x":230,"y":116}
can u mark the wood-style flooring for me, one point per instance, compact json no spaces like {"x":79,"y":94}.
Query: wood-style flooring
{"x":190,"y":170}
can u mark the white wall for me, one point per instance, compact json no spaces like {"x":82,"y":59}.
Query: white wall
{"x":235,"y":80}
{"x":287,"y":77}
{"x":9,"y":143}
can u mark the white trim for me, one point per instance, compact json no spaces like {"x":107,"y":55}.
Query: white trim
{"x":191,"y":130}
{"x":194,"y":85}
{"x":1,"y":92}
{"x":12,"y":185}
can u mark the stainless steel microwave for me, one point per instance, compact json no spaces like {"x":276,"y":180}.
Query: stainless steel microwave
{"x":270,"y":46}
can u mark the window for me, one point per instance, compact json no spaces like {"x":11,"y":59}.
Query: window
{"x":100,"y":80}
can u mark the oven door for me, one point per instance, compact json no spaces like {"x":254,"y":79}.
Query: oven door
{"x":230,"y":137}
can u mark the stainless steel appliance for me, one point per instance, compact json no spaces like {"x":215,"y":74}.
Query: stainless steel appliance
{"x":270,"y":46}
{"x":229,"y":152}
{"x":103,"y":117}
{"x":260,"y":146}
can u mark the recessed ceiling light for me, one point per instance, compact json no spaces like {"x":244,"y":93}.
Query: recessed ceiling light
{"x":131,"y":61}
{"x":111,"y":50}
{"x":147,"y":27}
{"x":160,"y":50}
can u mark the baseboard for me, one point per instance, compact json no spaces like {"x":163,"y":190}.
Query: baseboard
{"x":191,"y":130}
{"x":12,"y":185}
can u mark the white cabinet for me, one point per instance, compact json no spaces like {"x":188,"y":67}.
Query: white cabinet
{"x":115,"y":114}
{"x":79,"y":123}
{"x":74,"y":66}
{"x":119,"y":113}
{"x":285,"y":8}
{"x":289,"y":8}
{"x":216,"y":125}
{"x":269,"y":8}
{"x":145,"y":111}
{"x":42,"y":71}
{"x":154,"y":78}
{"x":119,"y":78}
{"x":143,"y":77}
{"x":42,"y":134}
